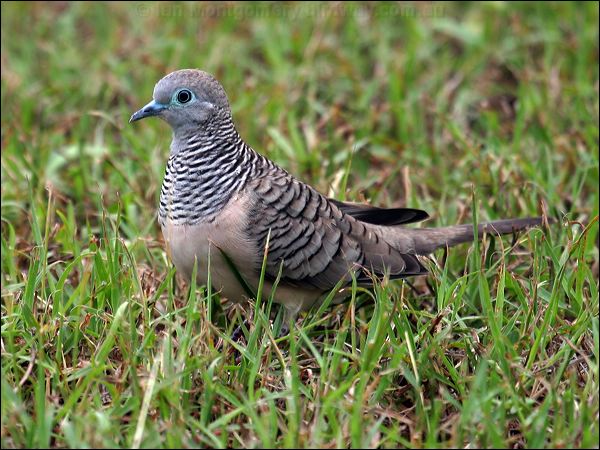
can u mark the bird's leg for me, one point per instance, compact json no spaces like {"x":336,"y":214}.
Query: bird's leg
{"x":284,"y":330}
{"x":237,"y":333}
{"x":289,"y":319}
{"x":235,"y":337}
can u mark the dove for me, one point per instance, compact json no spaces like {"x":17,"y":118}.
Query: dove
{"x":223,"y":202}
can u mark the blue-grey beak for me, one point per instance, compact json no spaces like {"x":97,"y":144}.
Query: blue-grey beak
{"x":151,"y":109}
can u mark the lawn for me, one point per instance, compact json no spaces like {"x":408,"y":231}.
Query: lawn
{"x":470,"y":111}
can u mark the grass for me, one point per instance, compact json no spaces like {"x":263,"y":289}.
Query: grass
{"x":469,"y":111}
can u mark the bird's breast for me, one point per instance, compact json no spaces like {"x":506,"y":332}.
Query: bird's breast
{"x":205,"y":242}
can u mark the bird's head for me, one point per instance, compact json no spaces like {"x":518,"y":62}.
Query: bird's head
{"x":186,"y":98}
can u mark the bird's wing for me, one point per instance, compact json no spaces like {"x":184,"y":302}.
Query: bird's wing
{"x":313,"y":242}
{"x":381,"y":216}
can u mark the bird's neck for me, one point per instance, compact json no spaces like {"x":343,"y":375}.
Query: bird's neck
{"x":206,"y":167}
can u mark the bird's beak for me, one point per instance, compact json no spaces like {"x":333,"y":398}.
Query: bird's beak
{"x":151,"y":109}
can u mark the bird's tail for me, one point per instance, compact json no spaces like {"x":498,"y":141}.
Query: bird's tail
{"x":426,"y":240}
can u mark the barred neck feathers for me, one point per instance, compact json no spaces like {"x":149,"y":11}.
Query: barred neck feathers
{"x":205,"y":169}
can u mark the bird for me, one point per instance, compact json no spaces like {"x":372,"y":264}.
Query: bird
{"x":224,"y":206}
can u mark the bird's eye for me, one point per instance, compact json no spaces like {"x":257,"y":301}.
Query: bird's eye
{"x":184,"y":96}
